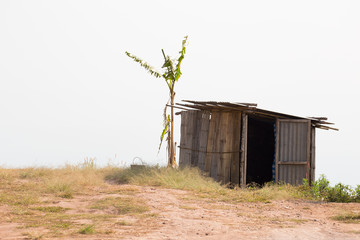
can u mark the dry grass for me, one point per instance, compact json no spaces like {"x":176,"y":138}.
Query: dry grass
{"x":186,"y":207}
{"x":204,"y":187}
{"x":43,"y":200}
{"x":32,"y":197}
{"x":349,"y":217}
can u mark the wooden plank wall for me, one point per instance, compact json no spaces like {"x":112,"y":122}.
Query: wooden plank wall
{"x":185,"y":140}
{"x":193,"y":140}
{"x":222,"y":157}
{"x":223,"y":147}
{"x":196,"y":127}
{"x":212,"y":144}
{"x":203,"y":138}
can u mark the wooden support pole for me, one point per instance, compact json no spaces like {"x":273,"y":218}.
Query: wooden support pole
{"x":243,"y":158}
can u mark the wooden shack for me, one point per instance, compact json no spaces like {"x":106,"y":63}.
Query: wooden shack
{"x":239,"y":143}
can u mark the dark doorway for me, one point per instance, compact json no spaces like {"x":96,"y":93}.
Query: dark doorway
{"x":260,"y":150}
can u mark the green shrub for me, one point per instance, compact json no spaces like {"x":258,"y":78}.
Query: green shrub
{"x":321,"y":190}
{"x":321,"y":187}
{"x":357,"y":193}
{"x":340,"y":193}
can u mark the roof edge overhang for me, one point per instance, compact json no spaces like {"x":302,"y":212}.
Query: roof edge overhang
{"x":249,"y":108}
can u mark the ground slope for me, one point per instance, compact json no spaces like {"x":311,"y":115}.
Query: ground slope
{"x":178,"y":214}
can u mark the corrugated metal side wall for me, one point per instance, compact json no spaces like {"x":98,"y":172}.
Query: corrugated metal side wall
{"x":293,"y":150}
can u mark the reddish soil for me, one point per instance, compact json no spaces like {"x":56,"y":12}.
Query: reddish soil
{"x":200,"y":219}
{"x":177,"y":214}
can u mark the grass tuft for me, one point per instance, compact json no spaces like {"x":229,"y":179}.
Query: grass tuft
{"x":348,"y":217}
{"x":87,"y":230}
{"x":50,"y":209}
{"x":33,"y":173}
{"x":123,"y":223}
{"x":60,"y":188}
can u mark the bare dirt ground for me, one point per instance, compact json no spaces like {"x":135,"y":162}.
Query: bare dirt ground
{"x":178,"y":214}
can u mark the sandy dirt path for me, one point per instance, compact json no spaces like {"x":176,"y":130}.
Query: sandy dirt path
{"x":178,"y":214}
{"x":183,"y":217}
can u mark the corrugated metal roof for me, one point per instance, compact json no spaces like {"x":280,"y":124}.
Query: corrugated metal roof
{"x":250,"y":108}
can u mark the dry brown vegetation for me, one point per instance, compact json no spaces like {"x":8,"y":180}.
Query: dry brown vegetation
{"x":159,"y":203}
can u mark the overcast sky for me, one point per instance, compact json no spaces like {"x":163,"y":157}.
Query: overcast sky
{"x":68,"y":91}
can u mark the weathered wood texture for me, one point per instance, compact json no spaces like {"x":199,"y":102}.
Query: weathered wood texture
{"x":193,"y":141}
{"x":224,"y":143}
{"x":185,"y":140}
{"x":195,"y":137}
{"x":212,"y":143}
{"x":243,"y":155}
{"x":203,"y":138}
{"x":235,"y":156}
{"x":222,"y":157}
{"x":216,"y":143}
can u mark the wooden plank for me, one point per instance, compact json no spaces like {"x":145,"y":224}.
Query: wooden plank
{"x":223,"y":142}
{"x":230,"y":147}
{"x":210,"y":142}
{"x":182,"y":138}
{"x":204,"y":131}
{"x":243,"y":158}
{"x":195,"y":138}
{"x":215,"y":147}
{"x":188,"y":138}
{"x":229,"y":140}
{"x":220,"y":143}
{"x":235,"y":158}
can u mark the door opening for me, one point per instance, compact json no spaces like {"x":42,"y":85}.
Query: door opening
{"x":260,"y":150}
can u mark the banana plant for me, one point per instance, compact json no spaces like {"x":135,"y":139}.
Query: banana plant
{"x":171,"y":75}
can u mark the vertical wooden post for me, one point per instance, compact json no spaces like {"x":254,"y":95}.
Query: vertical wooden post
{"x":210,"y":142}
{"x":235,"y":156}
{"x":243,"y":158}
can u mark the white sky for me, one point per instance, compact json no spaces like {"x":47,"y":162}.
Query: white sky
{"x":68,"y":91}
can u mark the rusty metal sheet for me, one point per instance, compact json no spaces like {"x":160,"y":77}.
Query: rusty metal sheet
{"x":293,"y":150}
